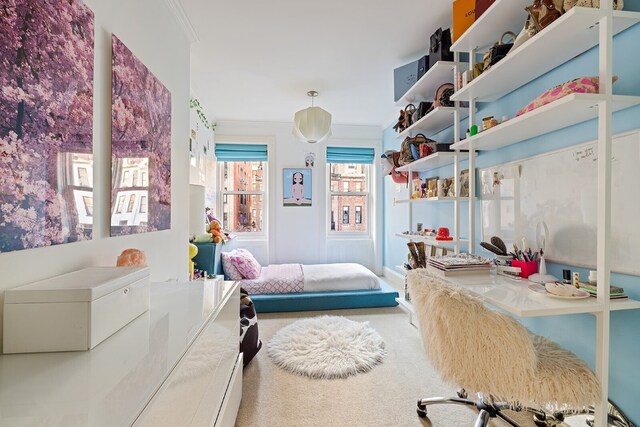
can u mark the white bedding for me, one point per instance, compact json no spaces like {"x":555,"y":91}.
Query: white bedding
{"x":338,"y":277}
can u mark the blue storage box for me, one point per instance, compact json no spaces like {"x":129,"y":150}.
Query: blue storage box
{"x":208,"y":258}
{"x":406,"y":76}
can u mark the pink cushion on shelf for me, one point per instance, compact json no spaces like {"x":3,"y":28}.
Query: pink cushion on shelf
{"x":579,"y":85}
{"x":246,"y":264}
{"x":228,"y":267}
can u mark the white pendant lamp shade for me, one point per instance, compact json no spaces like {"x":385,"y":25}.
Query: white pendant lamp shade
{"x":312,"y":124}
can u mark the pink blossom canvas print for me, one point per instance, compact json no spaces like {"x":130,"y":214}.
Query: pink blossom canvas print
{"x":140,"y":147}
{"x":46,"y":123}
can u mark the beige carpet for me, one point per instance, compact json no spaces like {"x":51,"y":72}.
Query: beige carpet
{"x":386,"y":396}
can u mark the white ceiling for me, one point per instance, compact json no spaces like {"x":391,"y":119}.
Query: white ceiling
{"x":256,"y":59}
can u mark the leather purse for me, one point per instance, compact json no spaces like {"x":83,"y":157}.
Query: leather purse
{"x":442,"y":97}
{"x":411,"y":144}
{"x":408,"y":115}
{"x":440,"y":46}
{"x":544,"y":12}
{"x":422,"y":110}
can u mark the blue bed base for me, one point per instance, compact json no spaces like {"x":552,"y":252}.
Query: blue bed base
{"x":336,"y":300}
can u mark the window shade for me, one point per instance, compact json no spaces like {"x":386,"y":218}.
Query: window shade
{"x":241,"y":152}
{"x":350,"y":155}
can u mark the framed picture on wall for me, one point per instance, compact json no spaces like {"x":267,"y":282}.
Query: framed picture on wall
{"x":296,"y":186}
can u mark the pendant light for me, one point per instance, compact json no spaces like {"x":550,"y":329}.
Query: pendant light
{"x":312,"y":124}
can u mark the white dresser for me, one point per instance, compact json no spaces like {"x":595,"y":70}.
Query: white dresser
{"x":176,"y":365}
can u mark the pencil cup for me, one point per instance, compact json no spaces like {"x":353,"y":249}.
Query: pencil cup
{"x":527,"y":268}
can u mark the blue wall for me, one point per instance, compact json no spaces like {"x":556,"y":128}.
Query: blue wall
{"x":575,"y":332}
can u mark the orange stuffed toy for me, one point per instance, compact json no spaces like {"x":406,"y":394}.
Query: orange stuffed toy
{"x":216,"y":230}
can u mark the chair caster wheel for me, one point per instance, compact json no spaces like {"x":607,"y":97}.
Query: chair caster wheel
{"x":422,"y":407}
{"x":422,"y":413}
{"x":462,"y":393}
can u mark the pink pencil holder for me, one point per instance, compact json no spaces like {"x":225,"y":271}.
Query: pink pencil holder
{"x":527,"y":268}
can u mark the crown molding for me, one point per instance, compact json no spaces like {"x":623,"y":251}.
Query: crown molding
{"x":176,"y":8}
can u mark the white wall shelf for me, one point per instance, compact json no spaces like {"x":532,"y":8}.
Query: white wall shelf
{"x":573,"y":33}
{"x":566,"y":111}
{"x":432,"y":199}
{"x":432,"y":241}
{"x":501,"y":16}
{"x":425,"y":88}
{"x":434,"y":161}
{"x":438,"y":119}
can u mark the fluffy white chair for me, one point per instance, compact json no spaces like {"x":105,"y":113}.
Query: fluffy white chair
{"x":489,"y":352}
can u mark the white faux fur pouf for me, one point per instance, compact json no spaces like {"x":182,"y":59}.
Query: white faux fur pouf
{"x":326,"y":347}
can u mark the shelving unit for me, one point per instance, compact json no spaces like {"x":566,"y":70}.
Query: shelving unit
{"x":438,"y":119}
{"x":430,"y":200}
{"x":564,"y":112}
{"x":425,"y":88}
{"x":434,"y":161}
{"x":432,"y":241}
{"x":572,"y":34}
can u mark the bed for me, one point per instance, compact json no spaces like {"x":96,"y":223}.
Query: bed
{"x":304,"y":287}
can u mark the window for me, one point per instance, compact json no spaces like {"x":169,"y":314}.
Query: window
{"x":83,"y":177}
{"x":88,"y":205}
{"x":132,"y":202}
{"x":120,"y":204}
{"x":349,"y":180}
{"x":143,"y":204}
{"x":345,"y":214}
{"x":242,"y":185}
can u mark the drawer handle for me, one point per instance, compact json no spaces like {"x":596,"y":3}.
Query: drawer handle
{"x":126,"y":291}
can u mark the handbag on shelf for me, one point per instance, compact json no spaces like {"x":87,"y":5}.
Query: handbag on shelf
{"x":568,"y":4}
{"x":424,"y":107}
{"x":498,"y":51}
{"x":442,"y":98}
{"x":440,"y":46}
{"x":408,"y":115}
{"x":406,"y":151}
{"x":544,"y":12}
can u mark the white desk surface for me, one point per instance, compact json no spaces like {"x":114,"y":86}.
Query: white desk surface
{"x":110,"y":384}
{"x":515,"y":297}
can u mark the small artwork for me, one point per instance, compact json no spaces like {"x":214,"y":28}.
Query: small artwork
{"x":297,"y":187}
{"x":309,"y":160}
{"x":140,"y":147}
{"x":46,"y":123}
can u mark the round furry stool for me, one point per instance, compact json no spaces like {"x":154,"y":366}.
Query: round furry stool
{"x":326,"y":347}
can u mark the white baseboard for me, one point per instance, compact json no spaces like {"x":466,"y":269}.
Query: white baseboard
{"x":394,"y":278}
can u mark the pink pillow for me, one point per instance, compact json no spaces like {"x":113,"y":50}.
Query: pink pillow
{"x":228,"y":267}
{"x":579,"y":85}
{"x":246,"y":264}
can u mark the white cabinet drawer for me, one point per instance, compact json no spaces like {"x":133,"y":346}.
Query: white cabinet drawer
{"x":194,"y":391}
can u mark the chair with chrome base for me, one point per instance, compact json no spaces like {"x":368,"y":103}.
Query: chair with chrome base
{"x":489,"y":352}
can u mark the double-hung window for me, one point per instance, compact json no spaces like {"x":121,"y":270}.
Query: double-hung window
{"x":243,"y":176}
{"x":349,"y":170}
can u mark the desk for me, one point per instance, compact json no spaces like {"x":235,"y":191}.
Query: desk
{"x":515,"y":297}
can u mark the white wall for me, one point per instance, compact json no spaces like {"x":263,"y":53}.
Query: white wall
{"x":153,"y":35}
{"x":300,"y":234}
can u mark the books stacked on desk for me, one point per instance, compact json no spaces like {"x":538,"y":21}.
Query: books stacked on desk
{"x":458,"y":264}
{"x":615,"y":292}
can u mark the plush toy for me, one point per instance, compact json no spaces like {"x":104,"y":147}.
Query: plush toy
{"x":216,"y":230}
{"x":132,"y":258}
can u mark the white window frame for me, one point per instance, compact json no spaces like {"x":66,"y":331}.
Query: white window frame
{"x":266,"y":177}
{"x":368,"y":185}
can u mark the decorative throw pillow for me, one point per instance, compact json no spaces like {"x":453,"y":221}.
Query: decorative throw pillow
{"x":228,"y":267}
{"x":246,"y":264}
{"x":579,"y":85}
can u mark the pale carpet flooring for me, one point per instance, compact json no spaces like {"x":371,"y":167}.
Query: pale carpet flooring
{"x":386,"y":396}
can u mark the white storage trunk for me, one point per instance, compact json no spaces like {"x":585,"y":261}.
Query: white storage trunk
{"x":75,"y":311}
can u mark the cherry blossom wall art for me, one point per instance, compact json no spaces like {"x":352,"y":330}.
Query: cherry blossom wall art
{"x":140,"y":147}
{"x":46,"y":119}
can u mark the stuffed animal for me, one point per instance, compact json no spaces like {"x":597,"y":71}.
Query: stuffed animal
{"x":132,"y":258}
{"x":216,"y":230}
